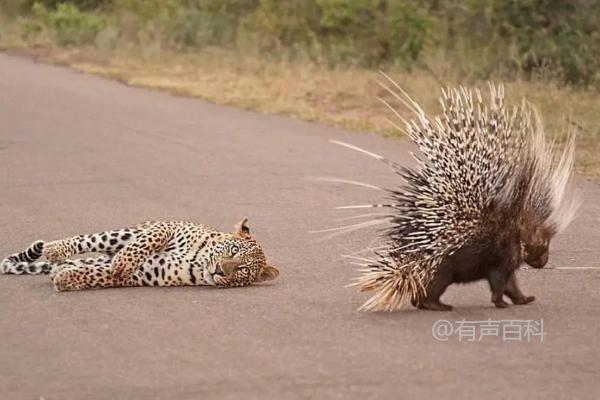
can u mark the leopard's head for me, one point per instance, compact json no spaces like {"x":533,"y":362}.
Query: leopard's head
{"x":242,"y":261}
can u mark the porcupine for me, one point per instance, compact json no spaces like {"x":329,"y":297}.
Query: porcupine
{"x":488,"y":194}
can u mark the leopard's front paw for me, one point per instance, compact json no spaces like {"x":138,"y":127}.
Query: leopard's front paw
{"x":68,"y":279}
{"x":56,"y":252}
{"x":121,"y":271}
{"x":56,"y":268}
{"x":221,"y":281}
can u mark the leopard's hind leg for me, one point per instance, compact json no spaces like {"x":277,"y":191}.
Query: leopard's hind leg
{"x":26,"y":261}
{"x":108,"y":242}
{"x":55,"y":268}
{"x":88,"y":274}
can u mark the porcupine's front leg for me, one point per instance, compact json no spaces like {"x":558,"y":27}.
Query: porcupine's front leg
{"x":514,"y":293}
{"x":134,"y":254}
{"x":499,"y":277}
{"x":498,"y":280}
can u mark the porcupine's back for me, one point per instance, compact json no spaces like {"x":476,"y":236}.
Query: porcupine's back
{"x":484,"y":172}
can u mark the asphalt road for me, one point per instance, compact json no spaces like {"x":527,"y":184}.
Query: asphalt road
{"x":81,"y":154}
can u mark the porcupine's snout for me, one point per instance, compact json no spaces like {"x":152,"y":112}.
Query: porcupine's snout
{"x":537,"y":259}
{"x":536,"y":249}
{"x":536,"y":253}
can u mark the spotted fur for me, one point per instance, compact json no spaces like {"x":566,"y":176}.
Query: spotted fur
{"x":25,"y":262}
{"x":149,"y":254}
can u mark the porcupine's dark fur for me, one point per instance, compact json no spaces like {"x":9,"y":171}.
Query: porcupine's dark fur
{"x":488,"y":196}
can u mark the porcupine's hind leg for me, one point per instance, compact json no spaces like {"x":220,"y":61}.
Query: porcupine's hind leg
{"x":514,"y":293}
{"x":108,"y":242}
{"x":432,"y":300}
{"x":435,"y":290}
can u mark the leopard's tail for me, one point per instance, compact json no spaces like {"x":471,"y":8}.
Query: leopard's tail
{"x":26,"y":262}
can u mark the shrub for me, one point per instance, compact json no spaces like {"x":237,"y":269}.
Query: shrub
{"x":80,"y":4}
{"x":69,"y":25}
{"x":551,"y":39}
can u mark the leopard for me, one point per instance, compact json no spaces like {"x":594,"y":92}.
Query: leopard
{"x":174,"y":253}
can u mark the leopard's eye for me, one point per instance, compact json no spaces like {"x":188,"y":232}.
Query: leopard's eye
{"x":234,"y":250}
{"x":244,"y":270}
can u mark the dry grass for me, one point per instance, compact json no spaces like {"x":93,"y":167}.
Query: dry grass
{"x":344,"y":97}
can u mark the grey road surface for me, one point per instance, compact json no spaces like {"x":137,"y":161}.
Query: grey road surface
{"x":81,"y":154}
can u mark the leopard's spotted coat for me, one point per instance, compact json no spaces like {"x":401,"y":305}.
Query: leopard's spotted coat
{"x":149,"y":254}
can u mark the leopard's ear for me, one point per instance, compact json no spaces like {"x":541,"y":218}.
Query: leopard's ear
{"x":242,"y":230}
{"x":268,"y":273}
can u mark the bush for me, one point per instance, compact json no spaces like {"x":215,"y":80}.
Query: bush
{"x":548,"y":38}
{"x":69,"y":25}
{"x":80,"y":4}
{"x":202,"y":23}
{"x":551,"y":39}
{"x":373,"y":31}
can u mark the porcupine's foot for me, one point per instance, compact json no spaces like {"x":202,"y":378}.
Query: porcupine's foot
{"x":501,"y":304}
{"x":514,"y":293}
{"x":434,"y":306}
{"x":498,"y":300}
{"x":430,"y":303}
{"x":522,"y":300}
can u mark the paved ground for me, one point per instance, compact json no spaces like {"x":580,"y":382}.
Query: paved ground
{"x":81,"y":154}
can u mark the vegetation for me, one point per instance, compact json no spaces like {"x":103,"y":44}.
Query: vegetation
{"x":314,"y":59}
{"x":542,"y":39}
